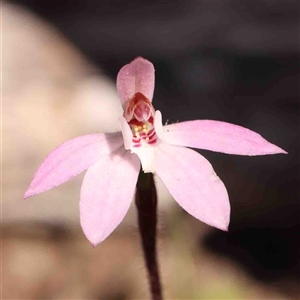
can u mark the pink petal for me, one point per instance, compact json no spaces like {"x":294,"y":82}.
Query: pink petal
{"x":220,"y":137}
{"x":158,"y":125}
{"x":126,"y":133}
{"x":106,"y":194}
{"x":193,"y":183}
{"x":71,"y":158}
{"x":137,"y":76}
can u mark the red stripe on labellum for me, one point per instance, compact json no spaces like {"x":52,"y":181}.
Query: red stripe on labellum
{"x":152,"y":142}
{"x":151,"y":131}
{"x":151,"y":135}
{"x":136,"y":140}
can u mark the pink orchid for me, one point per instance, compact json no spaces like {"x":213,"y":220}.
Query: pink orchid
{"x":113,"y":160}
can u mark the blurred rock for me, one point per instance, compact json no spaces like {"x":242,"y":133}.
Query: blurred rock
{"x":50,"y":94}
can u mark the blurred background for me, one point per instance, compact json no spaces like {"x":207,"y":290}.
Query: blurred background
{"x":232,"y":61}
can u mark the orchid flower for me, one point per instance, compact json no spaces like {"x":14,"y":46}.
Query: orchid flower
{"x":113,"y":160}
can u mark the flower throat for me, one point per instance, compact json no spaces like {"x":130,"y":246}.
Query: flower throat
{"x":139,"y":114}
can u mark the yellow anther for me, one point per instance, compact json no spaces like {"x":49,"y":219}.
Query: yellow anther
{"x":136,"y":128}
{"x":144,"y":126}
{"x":145,"y":130}
{"x":147,"y":139}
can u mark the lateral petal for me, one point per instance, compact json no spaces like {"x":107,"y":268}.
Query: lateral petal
{"x":137,"y":76}
{"x":220,"y":137}
{"x":193,"y":183}
{"x":72,"y":158}
{"x":126,"y":133}
{"x":106,"y":193}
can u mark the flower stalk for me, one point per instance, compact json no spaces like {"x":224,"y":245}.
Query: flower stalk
{"x":146,"y":202}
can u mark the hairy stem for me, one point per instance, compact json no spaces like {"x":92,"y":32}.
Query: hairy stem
{"x":146,"y":202}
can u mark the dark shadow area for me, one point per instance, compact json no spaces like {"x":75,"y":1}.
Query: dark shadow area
{"x":270,"y":255}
